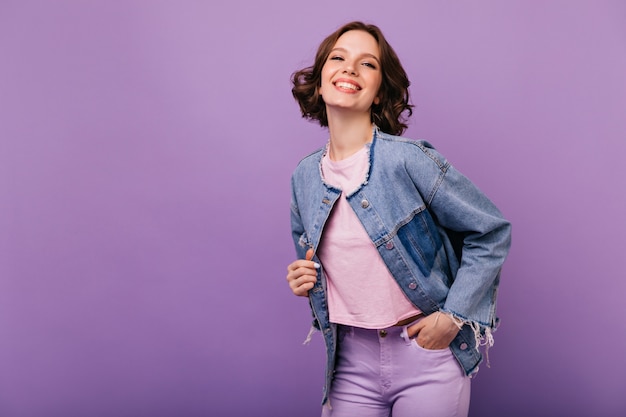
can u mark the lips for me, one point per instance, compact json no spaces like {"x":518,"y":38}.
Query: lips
{"x":347,"y":85}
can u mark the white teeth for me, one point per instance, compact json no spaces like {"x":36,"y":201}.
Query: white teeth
{"x":347,"y":85}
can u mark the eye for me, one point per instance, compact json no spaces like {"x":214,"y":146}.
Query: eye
{"x":336,"y":58}
{"x":369,"y":65}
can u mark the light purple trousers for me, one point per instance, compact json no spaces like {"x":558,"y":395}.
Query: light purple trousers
{"x":383,"y":373}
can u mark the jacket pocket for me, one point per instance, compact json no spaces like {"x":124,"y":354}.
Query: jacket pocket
{"x":421,"y":240}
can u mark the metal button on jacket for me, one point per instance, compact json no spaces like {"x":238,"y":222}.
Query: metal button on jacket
{"x":365,"y":203}
{"x":383,"y":333}
{"x":389,"y":245}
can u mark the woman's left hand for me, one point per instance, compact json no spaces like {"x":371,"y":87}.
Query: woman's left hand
{"x":434,"y":331}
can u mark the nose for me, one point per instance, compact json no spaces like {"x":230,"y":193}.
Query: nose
{"x":349,"y":68}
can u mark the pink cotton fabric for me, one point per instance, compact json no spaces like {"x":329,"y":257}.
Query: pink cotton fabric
{"x":361,"y":291}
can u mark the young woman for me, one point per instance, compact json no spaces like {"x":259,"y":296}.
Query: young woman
{"x":398,"y":253}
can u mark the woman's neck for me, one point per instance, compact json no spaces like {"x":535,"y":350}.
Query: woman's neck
{"x":348,"y":135}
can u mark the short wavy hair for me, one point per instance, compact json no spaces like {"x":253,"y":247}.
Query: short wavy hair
{"x":388,"y":115}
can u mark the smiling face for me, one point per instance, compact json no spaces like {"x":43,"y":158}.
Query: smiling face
{"x":352,"y":75}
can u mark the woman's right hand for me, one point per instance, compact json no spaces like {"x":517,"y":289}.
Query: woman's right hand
{"x":302,"y":274}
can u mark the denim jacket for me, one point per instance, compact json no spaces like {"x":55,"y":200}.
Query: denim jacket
{"x":441,"y":238}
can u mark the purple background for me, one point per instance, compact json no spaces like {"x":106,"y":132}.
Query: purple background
{"x":145,"y":155}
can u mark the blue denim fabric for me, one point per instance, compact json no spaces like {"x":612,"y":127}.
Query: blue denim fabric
{"x":442,"y":239}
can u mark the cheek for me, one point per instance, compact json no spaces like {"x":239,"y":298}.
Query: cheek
{"x":329,"y":70}
{"x":378,"y":84}
{"x":378,"y":81}
{"x":324,"y":83}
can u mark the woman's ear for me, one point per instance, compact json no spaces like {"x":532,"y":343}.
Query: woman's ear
{"x":376,"y":101}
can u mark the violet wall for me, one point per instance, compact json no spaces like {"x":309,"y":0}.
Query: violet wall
{"x":145,"y":155}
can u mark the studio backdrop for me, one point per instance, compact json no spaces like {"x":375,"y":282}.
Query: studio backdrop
{"x":146,"y":149}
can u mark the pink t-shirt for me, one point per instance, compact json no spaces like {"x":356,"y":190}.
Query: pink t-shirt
{"x":361,"y":291}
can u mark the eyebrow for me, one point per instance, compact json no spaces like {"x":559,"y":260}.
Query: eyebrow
{"x":364,"y":54}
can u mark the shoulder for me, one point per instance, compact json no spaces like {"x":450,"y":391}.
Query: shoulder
{"x":309,"y":163}
{"x":400,"y":148}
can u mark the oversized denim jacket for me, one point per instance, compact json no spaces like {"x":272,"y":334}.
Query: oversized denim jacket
{"x":441,"y":238}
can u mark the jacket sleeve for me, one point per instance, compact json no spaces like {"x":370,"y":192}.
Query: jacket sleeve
{"x":301,"y":243}
{"x":458,"y":205}
{"x":298,"y":233}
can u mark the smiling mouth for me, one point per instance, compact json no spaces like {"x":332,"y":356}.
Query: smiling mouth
{"x":348,"y":86}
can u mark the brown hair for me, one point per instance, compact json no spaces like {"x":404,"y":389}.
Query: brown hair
{"x":394,"y":89}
